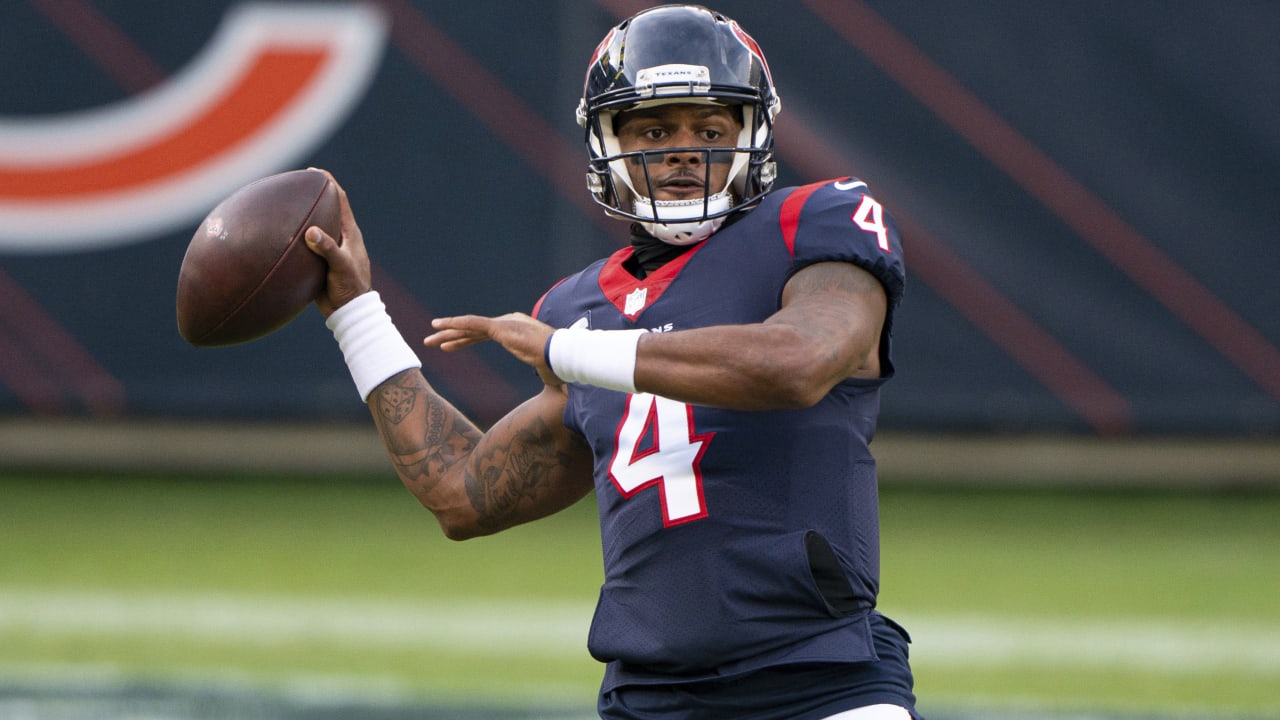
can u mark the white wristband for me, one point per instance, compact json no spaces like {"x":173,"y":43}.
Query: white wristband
{"x":370,"y":342}
{"x":604,"y":358}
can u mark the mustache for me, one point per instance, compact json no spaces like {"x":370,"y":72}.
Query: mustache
{"x":684,"y":174}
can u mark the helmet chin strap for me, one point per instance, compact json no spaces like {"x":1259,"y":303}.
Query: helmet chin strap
{"x":683,"y":233}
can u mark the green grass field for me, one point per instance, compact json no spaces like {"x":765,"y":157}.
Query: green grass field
{"x":1159,"y":603}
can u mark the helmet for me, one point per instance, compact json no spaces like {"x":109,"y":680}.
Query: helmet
{"x":679,"y":54}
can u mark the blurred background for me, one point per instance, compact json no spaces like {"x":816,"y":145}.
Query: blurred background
{"x":1087,"y":190}
{"x":1080,"y":452}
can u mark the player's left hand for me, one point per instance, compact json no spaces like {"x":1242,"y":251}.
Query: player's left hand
{"x":519,"y":334}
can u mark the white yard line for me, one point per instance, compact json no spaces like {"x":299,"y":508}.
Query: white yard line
{"x":484,"y":627}
{"x":559,"y":629}
{"x":1160,"y":646}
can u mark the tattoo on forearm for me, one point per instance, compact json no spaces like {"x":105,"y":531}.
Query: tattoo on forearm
{"x":395,"y":403}
{"x":500,"y":480}
{"x":447,"y":435}
{"x":517,"y":469}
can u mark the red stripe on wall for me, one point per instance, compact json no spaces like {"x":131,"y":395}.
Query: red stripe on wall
{"x":1038,"y":352}
{"x":1181,"y":293}
{"x":100,"y":39}
{"x":960,"y":285}
{"x":45,"y":364}
{"x":976,"y":299}
{"x":485,"y":392}
{"x":29,"y":381}
{"x":508,"y":117}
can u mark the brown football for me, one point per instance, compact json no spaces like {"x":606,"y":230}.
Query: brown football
{"x":248,"y":271}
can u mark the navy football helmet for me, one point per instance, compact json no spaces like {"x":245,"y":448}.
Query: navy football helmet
{"x":679,"y":54}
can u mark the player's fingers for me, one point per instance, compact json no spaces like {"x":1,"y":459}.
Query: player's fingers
{"x":450,"y":340}
{"x":455,"y":335}
{"x":437,"y":339}
{"x":342,"y":194}
{"x":465,"y":323}
{"x":461,"y":343}
{"x":341,"y":261}
{"x":350,"y":230}
{"x":320,"y":243}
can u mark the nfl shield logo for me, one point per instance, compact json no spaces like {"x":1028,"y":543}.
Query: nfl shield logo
{"x":635,"y":302}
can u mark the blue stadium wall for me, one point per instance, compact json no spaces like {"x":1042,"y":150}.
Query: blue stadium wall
{"x":1088,"y":193}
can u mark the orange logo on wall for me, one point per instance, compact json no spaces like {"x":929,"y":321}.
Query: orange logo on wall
{"x":273,"y":84}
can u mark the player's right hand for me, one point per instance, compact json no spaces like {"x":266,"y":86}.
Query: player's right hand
{"x":349,"y":269}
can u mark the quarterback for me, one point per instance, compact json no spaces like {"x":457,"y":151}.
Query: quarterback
{"x":715,"y":383}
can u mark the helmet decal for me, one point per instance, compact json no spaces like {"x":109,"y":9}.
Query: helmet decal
{"x":595,"y":56}
{"x":673,"y":79}
{"x":753,"y":46}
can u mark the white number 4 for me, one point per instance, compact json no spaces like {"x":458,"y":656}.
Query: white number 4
{"x":670,"y":459}
{"x":870,"y":217}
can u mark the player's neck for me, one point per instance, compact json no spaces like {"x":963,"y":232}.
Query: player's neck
{"x":649,"y":253}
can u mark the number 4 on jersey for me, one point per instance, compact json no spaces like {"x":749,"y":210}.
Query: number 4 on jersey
{"x":657,"y":445}
{"x":870,"y":217}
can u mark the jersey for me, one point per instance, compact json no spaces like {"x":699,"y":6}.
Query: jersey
{"x":732,"y":540}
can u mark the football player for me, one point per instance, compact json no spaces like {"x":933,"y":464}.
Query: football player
{"x":716,"y":383}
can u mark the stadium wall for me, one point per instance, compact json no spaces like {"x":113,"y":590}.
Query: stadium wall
{"x":1086,"y":190}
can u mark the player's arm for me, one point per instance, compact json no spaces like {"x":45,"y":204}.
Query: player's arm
{"x":528,"y":465}
{"x":827,"y":329}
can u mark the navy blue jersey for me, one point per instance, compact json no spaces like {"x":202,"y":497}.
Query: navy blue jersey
{"x":734,"y":540}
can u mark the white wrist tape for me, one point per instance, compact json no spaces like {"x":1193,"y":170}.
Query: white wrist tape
{"x":604,"y":358}
{"x":370,"y":342}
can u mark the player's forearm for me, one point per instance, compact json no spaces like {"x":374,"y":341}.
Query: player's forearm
{"x":527,"y":466}
{"x":827,"y":329}
{"x":739,"y":367}
{"x":427,"y":440}
{"x":478,"y":483}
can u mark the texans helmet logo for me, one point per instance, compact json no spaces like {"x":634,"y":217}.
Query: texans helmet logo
{"x":274,"y":83}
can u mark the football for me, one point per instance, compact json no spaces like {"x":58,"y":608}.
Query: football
{"x":248,"y":271}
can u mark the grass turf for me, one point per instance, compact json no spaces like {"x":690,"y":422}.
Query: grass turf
{"x":1042,"y":556}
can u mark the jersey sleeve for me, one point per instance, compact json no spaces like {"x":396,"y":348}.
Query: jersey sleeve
{"x":537,"y":312}
{"x":569,"y":299}
{"x":839,"y":220}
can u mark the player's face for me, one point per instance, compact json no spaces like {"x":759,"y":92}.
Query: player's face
{"x":679,"y":175}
